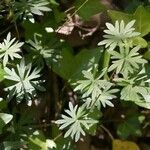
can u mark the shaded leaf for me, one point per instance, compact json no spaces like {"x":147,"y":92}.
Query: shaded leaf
{"x":71,"y":66}
{"x":130,"y":126}
{"x":10,"y":145}
{"x":88,"y":8}
{"x":4,"y":119}
{"x":2,"y":73}
{"x":37,"y":141}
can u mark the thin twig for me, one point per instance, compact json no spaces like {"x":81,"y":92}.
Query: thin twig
{"x":68,"y":20}
{"x":107,"y":131}
{"x":16,"y":28}
{"x":69,"y":9}
{"x":79,"y":8}
{"x":58,"y":136}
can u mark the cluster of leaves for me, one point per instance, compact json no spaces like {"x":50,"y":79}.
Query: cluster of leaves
{"x":96,"y":91}
{"x":20,"y":73}
{"x":114,"y":72}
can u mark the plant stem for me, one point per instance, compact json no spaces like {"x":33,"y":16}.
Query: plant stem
{"x":107,"y":131}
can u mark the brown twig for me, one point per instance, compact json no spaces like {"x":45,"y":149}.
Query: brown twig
{"x":68,"y":20}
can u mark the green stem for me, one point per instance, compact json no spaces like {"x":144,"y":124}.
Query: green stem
{"x":79,"y":7}
{"x":106,"y":63}
{"x":58,"y":136}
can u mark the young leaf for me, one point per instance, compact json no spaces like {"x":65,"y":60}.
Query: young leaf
{"x":76,"y":120}
{"x":25,"y":81}
{"x":136,"y":90}
{"x":117,"y":35}
{"x":38,"y":7}
{"x":9,"y":49}
{"x":126,"y":61}
{"x":95,"y":91}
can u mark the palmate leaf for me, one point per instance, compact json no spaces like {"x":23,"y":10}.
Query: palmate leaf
{"x":37,"y":46}
{"x":136,"y":90}
{"x":9,"y":49}
{"x":76,"y":120}
{"x":138,"y":94}
{"x":25,"y":81}
{"x":86,"y":86}
{"x":31,"y":7}
{"x":38,"y":7}
{"x":38,"y":51}
{"x":141,"y":15}
{"x":126,"y":61}
{"x":103,"y":98}
{"x":95,"y":91}
{"x":117,"y":35}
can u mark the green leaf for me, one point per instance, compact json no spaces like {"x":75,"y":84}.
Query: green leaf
{"x":118,"y":15}
{"x":126,"y":61}
{"x":94,"y":114}
{"x":95,"y":91}
{"x":147,"y":53}
{"x":31,"y":28}
{"x":10,"y":48}
{"x":4,"y":119}
{"x":142,"y":103}
{"x":118,"y":34}
{"x":59,"y":15}
{"x":2,"y":73}
{"x":62,"y":143}
{"x":131,"y":126}
{"x":50,"y":143}
{"x":3,"y":104}
{"x":143,"y":22}
{"x":25,"y":82}
{"x":88,"y":8}
{"x":37,"y":141}
{"x":132,"y":6}
{"x":10,"y":145}
{"x":140,"y":41}
{"x":106,"y":61}
{"x":53,"y":2}
{"x":76,"y":121}
{"x":37,"y":7}
{"x":137,"y":94}
{"x":141,"y":15}
{"x":71,"y":66}
{"x":65,"y":144}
